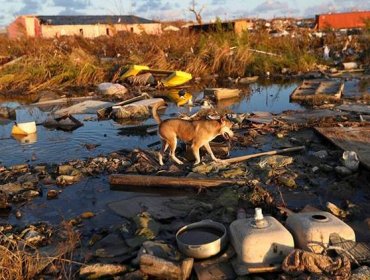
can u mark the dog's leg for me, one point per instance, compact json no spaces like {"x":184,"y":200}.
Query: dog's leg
{"x":195,"y":147}
{"x":163,"y":150}
{"x":173,"y":145}
{"x":209,"y":150}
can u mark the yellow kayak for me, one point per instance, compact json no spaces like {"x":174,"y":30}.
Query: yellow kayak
{"x":167,"y":77}
{"x":177,"y":78}
{"x":133,"y":70}
{"x":180,"y":97}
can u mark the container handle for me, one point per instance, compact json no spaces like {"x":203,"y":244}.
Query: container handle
{"x":195,"y":247}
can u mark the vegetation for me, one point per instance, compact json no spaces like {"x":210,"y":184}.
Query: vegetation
{"x":22,"y":260}
{"x":75,"y":61}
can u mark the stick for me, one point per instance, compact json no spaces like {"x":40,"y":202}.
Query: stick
{"x":166,"y":181}
{"x":268,"y":53}
{"x":270,"y":153}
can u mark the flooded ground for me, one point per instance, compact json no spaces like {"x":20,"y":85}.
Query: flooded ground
{"x":315,"y":179}
{"x":55,"y":146}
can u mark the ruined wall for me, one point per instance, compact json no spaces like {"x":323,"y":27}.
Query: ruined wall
{"x":92,"y":31}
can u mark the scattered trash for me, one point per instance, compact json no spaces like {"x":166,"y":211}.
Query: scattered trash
{"x":254,"y":240}
{"x":167,"y":78}
{"x":298,"y":262}
{"x":111,"y":89}
{"x":24,"y":128}
{"x":351,"y":160}
{"x":311,"y":230}
{"x":222,"y":93}
{"x":357,"y":252}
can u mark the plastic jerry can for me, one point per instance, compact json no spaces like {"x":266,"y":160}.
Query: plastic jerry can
{"x":259,"y":242}
{"x":312,"y":230}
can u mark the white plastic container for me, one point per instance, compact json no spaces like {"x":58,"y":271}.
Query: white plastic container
{"x":312,"y":230}
{"x":259,"y":242}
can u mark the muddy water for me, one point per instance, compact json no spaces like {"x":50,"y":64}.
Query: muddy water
{"x":54,"y":146}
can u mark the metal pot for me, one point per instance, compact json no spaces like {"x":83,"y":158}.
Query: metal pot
{"x":202,"y":250}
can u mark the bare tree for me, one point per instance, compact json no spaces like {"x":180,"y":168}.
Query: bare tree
{"x":197,"y":14}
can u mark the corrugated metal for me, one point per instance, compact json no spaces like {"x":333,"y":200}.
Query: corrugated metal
{"x":342,"y":20}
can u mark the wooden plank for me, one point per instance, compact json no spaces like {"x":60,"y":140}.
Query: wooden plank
{"x":313,"y":91}
{"x":168,"y":182}
{"x":350,"y":139}
{"x":270,"y":153}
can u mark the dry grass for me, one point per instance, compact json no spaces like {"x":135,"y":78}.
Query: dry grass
{"x":22,"y":261}
{"x":75,"y":61}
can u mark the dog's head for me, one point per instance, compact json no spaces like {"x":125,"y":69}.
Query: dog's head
{"x":226,"y":127}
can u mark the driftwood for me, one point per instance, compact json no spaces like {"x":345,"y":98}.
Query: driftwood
{"x":166,"y":181}
{"x":164,"y":269}
{"x":270,"y":153}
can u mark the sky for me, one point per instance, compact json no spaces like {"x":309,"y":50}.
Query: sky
{"x":178,"y":9}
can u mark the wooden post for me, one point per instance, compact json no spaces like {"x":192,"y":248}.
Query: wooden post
{"x":171,"y":182}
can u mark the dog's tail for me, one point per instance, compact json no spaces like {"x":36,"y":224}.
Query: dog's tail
{"x":155,"y":113}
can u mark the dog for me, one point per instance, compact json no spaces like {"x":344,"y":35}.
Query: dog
{"x":199,"y":133}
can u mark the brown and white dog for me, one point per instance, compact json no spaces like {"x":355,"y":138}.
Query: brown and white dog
{"x":198,"y":133}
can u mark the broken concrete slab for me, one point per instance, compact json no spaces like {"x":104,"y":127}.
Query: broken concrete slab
{"x":111,"y":246}
{"x":85,"y":107}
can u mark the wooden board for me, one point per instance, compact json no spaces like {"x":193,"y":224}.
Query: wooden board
{"x":350,"y":139}
{"x":123,"y":180}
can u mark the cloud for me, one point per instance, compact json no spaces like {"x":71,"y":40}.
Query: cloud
{"x":271,"y":5}
{"x":72,"y":5}
{"x":30,"y":7}
{"x":70,"y":12}
{"x":325,"y":7}
{"x":148,"y":6}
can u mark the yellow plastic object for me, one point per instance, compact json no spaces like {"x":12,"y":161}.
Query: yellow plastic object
{"x":180,"y":100}
{"x":24,"y":128}
{"x":133,"y":70}
{"x":26,"y":139}
{"x":177,"y":78}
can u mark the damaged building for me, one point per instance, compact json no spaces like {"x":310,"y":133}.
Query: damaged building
{"x":86,"y":26}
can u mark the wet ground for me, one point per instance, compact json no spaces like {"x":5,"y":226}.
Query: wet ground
{"x":314,"y":186}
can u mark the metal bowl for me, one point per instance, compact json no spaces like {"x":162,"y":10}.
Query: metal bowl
{"x":202,"y":240}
